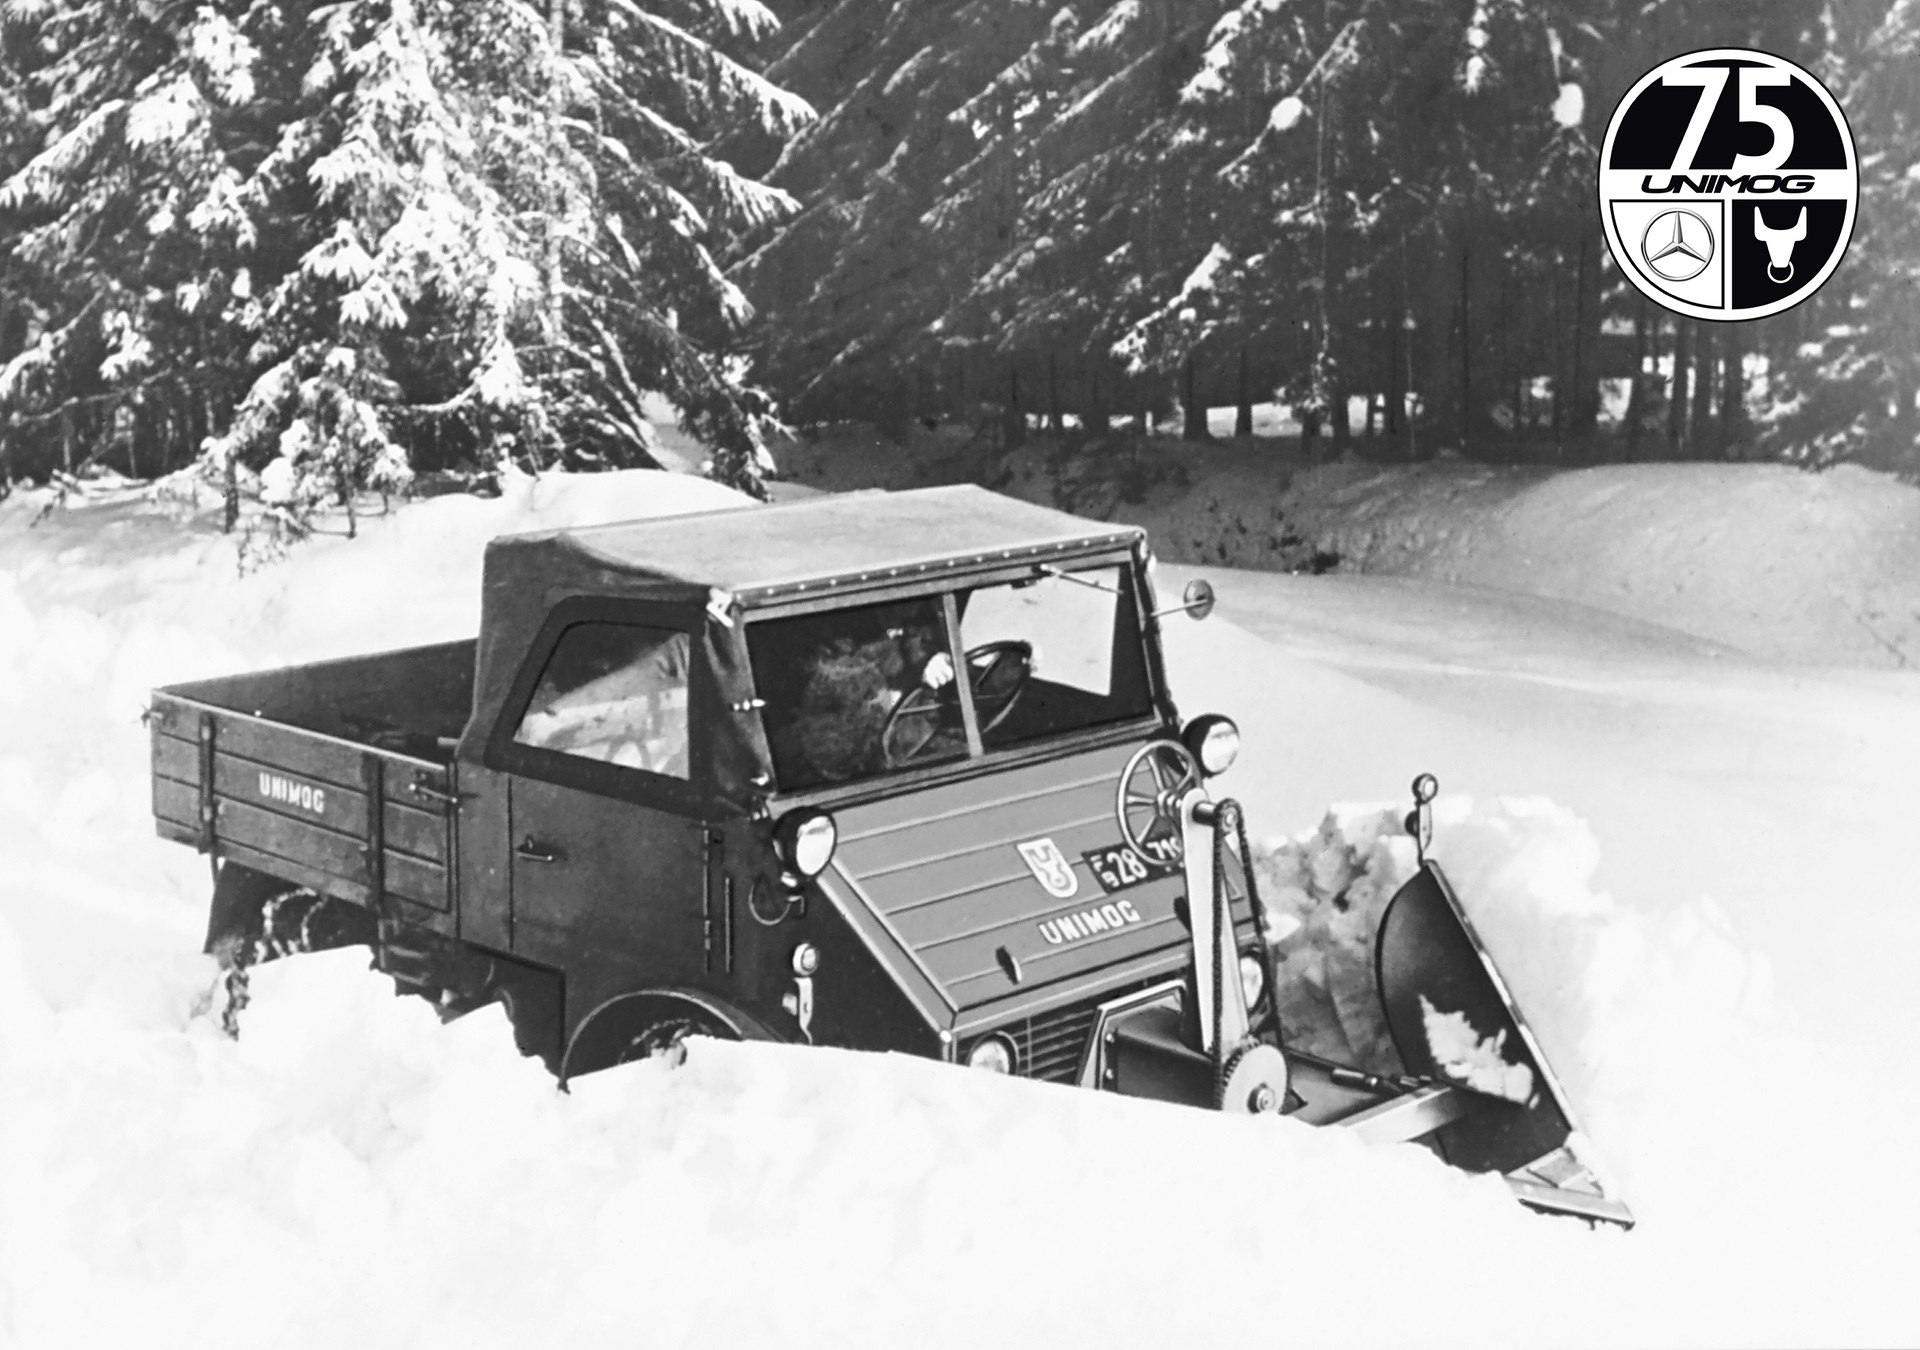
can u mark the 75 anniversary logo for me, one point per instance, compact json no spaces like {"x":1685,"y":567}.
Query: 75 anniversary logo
{"x":1728,"y":184}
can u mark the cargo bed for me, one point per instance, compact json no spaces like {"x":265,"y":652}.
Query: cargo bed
{"x":335,"y":775}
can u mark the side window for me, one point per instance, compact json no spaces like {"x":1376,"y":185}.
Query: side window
{"x":614,"y":692}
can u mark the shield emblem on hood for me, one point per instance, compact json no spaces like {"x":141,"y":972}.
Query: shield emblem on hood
{"x":1050,"y":867}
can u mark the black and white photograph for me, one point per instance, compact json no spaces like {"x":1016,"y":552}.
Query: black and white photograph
{"x":882,"y":673}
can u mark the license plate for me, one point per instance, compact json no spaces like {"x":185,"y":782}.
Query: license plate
{"x":1117,"y":867}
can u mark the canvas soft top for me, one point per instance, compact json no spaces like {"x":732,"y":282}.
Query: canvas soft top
{"x":768,"y":553}
{"x":734,"y":560}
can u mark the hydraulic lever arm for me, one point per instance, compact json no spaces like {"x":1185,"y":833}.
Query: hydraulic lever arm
{"x":1225,"y":1025}
{"x":1249,"y":1074}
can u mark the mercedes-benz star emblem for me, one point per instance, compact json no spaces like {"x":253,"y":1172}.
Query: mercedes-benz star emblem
{"x":1677,"y":246}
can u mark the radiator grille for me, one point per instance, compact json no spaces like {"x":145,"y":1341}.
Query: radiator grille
{"x":1051,"y":1044}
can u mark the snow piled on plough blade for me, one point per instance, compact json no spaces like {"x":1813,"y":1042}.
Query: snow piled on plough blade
{"x":1381,"y":969}
{"x":1453,"y":1021}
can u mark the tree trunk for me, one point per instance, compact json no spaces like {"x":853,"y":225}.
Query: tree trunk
{"x":1557,"y":388}
{"x":1396,"y":387}
{"x":1507,"y":370}
{"x":1016,"y":419}
{"x":1055,"y":419}
{"x":1677,"y":390}
{"x":1703,"y":383}
{"x":1637,"y":389}
{"x":1466,"y":351}
{"x":1578,"y":403}
{"x":1194,"y":427}
{"x":1338,"y":412}
{"x":1243,"y":404}
{"x":1653,"y":384}
{"x":1733,"y":391}
{"x":231,"y":514}
{"x":1099,"y":415}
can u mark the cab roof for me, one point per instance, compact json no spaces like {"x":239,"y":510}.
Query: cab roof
{"x":727,"y":562}
{"x":768,"y":553}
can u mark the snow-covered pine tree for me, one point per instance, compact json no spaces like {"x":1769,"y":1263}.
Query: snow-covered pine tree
{"x":981,"y":194}
{"x":908,"y":197}
{"x":1107,"y":212}
{"x":331,"y":242}
{"x":1851,"y":388}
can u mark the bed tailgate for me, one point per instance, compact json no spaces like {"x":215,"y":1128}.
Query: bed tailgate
{"x":347,"y":820}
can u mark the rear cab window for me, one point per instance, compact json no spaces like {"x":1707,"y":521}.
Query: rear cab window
{"x":614,"y":693}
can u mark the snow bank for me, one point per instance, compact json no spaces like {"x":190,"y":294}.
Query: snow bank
{"x":1773,"y":560}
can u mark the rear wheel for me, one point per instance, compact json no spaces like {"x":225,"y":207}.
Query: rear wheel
{"x":255,"y":917}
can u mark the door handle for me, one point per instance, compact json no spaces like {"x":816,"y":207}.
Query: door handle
{"x":532,"y":850}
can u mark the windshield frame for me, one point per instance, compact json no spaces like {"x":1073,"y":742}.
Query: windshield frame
{"x":980,"y":758}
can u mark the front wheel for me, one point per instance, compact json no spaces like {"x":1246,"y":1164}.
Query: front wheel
{"x":667,"y":1040}
{"x":640,"y":1028}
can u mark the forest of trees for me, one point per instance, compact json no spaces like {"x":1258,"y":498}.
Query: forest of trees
{"x":319,"y":247}
{"x":1112,"y":208}
{"x":333,"y":244}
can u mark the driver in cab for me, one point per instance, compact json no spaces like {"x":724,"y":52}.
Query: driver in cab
{"x":856,"y":680}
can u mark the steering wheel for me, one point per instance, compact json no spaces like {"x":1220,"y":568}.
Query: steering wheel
{"x":997,"y":672}
{"x":1148,"y":804}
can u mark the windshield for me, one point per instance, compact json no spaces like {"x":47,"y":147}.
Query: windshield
{"x":1052,"y":654}
{"x":852,"y":693}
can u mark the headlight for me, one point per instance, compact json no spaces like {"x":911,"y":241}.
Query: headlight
{"x":1253,"y":977}
{"x":991,"y":1053}
{"x":1214,"y":742}
{"x":806,"y":841}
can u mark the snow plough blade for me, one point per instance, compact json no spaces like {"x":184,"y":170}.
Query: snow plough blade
{"x":1454,"y":1023}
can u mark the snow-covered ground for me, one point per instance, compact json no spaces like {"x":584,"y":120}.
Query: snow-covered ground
{"x":1688,"y":853}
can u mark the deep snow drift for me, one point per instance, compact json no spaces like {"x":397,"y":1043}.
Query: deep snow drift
{"x":352,"y":1171}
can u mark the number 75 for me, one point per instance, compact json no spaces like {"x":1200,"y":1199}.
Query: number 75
{"x":1711,"y":81}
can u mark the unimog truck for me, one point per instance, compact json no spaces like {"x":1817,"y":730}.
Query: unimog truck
{"x":888,"y":771}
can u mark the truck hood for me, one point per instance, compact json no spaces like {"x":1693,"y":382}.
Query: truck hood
{"x":985,"y":888}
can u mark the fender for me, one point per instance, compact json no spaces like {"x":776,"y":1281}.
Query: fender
{"x":597,"y":1041}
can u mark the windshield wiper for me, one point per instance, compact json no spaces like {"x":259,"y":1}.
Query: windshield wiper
{"x":1076,"y":578}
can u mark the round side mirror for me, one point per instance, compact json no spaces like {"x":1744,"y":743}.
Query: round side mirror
{"x":1197,"y":599}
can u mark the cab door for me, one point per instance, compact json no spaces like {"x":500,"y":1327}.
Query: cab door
{"x":609,"y":891}
{"x":607,"y":847}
